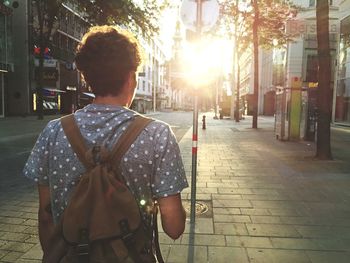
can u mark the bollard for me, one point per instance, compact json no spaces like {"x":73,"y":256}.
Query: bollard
{"x":203,"y":121}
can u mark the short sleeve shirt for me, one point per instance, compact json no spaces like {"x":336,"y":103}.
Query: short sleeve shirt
{"x":152,"y":167}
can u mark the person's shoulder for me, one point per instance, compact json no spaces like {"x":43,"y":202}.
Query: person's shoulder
{"x":52,"y":126}
{"x":158,"y":125}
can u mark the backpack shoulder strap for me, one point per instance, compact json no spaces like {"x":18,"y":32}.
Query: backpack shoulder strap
{"x":128,"y":137}
{"x":75,"y":137}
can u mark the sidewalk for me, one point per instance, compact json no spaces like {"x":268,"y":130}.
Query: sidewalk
{"x":269,"y":201}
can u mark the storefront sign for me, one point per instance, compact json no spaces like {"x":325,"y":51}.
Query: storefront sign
{"x":48,"y":74}
{"x":299,"y":27}
{"x":48,"y":63}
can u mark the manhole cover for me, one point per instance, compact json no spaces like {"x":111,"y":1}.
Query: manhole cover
{"x":203,"y":208}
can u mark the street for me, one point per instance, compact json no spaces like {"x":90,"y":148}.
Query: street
{"x":268,"y":201}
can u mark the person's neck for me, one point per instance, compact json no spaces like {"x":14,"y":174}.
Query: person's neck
{"x":112,"y":100}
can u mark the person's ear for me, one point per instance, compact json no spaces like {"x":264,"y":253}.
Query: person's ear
{"x":132,"y":79}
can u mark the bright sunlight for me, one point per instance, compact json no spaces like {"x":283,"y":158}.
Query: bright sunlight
{"x":205,"y":61}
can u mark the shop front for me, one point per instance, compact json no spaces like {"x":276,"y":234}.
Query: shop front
{"x":342,"y":93}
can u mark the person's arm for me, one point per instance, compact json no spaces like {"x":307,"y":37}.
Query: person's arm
{"x":173,"y":215}
{"x":46,"y":225}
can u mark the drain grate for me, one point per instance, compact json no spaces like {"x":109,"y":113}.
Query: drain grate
{"x":203,"y":208}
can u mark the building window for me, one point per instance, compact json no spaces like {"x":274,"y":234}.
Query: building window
{"x":312,"y":68}
{"x":143,"y":85}
{"x":63,"y":42}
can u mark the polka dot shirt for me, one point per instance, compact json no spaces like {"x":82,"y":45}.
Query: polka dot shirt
{"x":152,"y":167}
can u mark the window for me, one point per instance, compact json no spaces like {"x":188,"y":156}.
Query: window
{"x":63,"y":42}
{"x":312,"y":68}
{"x":143,"y":85}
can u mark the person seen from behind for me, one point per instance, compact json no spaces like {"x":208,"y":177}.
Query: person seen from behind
{"x":108,"y":59}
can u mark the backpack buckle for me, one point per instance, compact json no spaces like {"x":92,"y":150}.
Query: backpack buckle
{"x":83,"y":246}
{"x":83,"y":249}
{"x":96,"y":154}
{"x":128,"y":236}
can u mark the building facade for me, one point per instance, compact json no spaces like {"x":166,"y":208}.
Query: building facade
{"x":341,"y":95}
{"x":153,"y":91}
{"x":6,"y":51}
{"x":63,"y":89}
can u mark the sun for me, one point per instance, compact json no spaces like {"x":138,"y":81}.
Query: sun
{"x":205,"y":61}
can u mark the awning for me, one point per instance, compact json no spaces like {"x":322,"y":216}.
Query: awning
{"x":142,"y":98}
{"x":55,"y":90}
{"x":89,"y":94}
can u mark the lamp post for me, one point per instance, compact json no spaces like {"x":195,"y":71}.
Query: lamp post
{"x":198,"y":16}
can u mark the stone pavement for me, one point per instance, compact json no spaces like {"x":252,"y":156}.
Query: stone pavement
{"x":269,"y":201}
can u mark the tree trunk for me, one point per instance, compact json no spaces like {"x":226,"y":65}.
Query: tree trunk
{"x":237,"y":108}
{"x":256,"y":64}
{"x":324,"y":98}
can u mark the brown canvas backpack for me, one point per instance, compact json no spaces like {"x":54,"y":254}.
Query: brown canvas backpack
{"x":102,"y":222}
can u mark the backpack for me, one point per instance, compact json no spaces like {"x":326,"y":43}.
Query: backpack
{"x":102,"y":221}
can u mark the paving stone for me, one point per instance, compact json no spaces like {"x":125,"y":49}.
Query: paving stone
{"x":297,"y":220}
{"x":238,"y":191}
{"x":10,"y":236}
{"x":229,"y":184}
{"x":272,"y":230}
{"x":230,"y":229}
{"x":226,"y":211}
{"x":226,"y":196}
{"x":248,"y":241}
{"x":277,"y":256}
{"x":32,"y":239}
{"x":265,"y":219}
{"x":17,"y":246}
{"x":205,"y":197}
{"x":180,"y":254}
{"x":11,"y":220}
{"x":6,"y":213}
{"x":207,"y":190}
{"x":32,"y":230}
{"x":12,"y":228}
{"x":12,"y":256}
{"x":338,"y":244}
{"x":328,"y":257}
{"x":232,"y":218}
{"x":295,"y":243}
{"x":284,"y":212}
{"x":255,"y":211}
{"x":227,"y":254}
{"x":323,"y":231}
{"x":264,"y":197}
{"x":3,"y":253}
{"x":202,"y":226}
{"x":34,"y":253}
{"x":204,"y":240}
{"x":30,"y":215}
{"x":230,"y":203}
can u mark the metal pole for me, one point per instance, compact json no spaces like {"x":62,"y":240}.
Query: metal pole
{"x":195,"y":128}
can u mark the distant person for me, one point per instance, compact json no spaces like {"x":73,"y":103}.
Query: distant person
{"x":152,"y":168}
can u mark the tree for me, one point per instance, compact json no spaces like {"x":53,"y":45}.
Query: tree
{"x":97,"y":12}
{"x":323,"y":145}
{"x":263,"y":22}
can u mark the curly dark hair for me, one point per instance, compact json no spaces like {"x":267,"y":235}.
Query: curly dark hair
{"x":105,"y":56}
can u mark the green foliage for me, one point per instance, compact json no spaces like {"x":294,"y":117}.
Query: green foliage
{"x":238,"y":16}
{"x":139,"y":17}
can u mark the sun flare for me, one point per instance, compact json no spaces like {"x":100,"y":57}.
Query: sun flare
{"x":205,"y":61}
